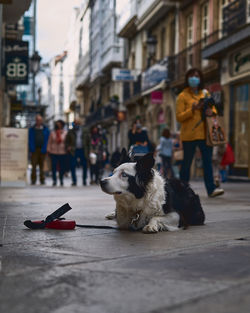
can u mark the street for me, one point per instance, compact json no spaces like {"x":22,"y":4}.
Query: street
{"x":205,"y":268}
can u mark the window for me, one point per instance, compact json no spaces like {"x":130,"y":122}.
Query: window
{"x":163,"y":36}
{"x":204,"y":24}
{"x":189,"y":40}
{"x":223,"y":4}
{"x":189,"y":30}
{"x":172,"y":38}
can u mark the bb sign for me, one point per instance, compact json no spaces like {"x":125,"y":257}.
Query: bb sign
{"x":16,"y":62}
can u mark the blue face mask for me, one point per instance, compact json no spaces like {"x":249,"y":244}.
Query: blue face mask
{"x":193,"y":81}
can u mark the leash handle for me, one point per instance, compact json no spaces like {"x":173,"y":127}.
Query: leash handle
{"x":49,"y":219}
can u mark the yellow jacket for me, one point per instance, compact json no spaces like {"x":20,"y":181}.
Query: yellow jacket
{"x":187,"y":118}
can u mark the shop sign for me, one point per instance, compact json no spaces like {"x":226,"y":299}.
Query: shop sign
{"x":157,"y":97}
{"x":240,"y":61}
{"x":157,"y":74}
{"x":16,"y":106}
{"x":153,"y":76}
{"x":124,"y":75}
{"x":16,"y":69}
{"x":13,"y":156}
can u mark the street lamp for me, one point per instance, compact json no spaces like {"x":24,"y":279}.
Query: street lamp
{"x":35,"y":63}
{"x":34,"y":67}
{"x":151,"y":48}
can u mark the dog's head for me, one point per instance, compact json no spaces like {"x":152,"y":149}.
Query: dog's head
{"x":130,"y":178}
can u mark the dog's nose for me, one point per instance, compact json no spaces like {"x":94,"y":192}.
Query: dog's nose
{"x":103,"y":182}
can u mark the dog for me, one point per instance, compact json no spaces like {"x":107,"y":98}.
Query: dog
{"x":146,"y":201}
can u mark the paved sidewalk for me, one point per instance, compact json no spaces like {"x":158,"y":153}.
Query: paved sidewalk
{"x":201,"y":269}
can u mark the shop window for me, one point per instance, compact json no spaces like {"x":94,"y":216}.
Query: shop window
{"x":241,"y":125}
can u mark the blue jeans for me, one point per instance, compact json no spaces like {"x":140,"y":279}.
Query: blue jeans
{"x":167,"y":166}
{"x":79,"y":154}
{"x":206,"y":153}
{"x":58,"y":159}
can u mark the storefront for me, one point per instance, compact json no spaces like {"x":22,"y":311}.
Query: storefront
{"x":236,"y":81}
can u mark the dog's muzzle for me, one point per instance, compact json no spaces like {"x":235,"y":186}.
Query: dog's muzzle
{"x":103,"y":184}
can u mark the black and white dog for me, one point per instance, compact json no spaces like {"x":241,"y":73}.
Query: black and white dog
{"x":144,"y":200}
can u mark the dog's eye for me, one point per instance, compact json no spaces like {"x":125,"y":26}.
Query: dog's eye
{"x":124,"y":174}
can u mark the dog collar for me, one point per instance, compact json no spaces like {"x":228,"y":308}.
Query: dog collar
{"x":134,"y":221}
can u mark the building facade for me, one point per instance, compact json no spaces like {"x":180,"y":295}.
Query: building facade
{"x":231,"y":49}
{"x":154,"y":42}
{"x":11,"y":32}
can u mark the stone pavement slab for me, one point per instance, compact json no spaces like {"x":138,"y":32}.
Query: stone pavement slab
{"x":97,"y":271}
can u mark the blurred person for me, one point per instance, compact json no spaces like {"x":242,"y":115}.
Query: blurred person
{"x":38,"y":140}
{"x":57,"y":151}
{"x":177,"y":154}
{"x":165,"y":152}
{"x":141,"y":136}
{"x":189,"y":114}
{"x":78,"y":146}
{"x":99,"y":148}
{"x":131,"y":135}
{"x":218,"y":152}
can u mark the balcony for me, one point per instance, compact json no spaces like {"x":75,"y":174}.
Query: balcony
{"x":234,"y":16}
{"x":191,"y":57}
{"x":235,"y":30}
{"x":131,"y":89}
{"x":101,"y":115}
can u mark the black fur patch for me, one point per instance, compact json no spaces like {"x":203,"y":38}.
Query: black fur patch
{"x":182,"y":199}
{"x":144,"y":174}
{"x":136,"y":190}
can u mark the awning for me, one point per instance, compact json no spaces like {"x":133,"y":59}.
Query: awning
{"x":161,"y":85}
{"x":14,"y":11}
{"x":154,"y":13}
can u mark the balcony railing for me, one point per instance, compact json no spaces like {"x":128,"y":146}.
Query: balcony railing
{"x":234,"y":16}
{"x":102,"y":114}
{"x":191,"y":57}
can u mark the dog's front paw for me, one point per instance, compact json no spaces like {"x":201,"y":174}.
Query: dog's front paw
{"x":149,"y":229}
{"x":111,"y":216}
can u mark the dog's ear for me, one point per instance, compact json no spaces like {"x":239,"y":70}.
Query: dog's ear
{"x":124,"y":157}
{"x":146,"y":162}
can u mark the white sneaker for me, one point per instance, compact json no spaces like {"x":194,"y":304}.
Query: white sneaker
{"x":216,"y":192}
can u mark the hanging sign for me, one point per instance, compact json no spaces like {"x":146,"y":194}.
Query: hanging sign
{"x":157,"y":97}
{"x":16,"y":69}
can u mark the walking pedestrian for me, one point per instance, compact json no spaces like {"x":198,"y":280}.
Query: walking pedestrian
{"x":78,"y":146}
{"x":38,"y":140}
{"x":189,"y":114}
{"x":99,"y":148}
{"x":165,"y":152}
{"x":57,"y":150}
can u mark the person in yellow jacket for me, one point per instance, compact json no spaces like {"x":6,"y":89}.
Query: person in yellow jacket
{"x":189,"y":114}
